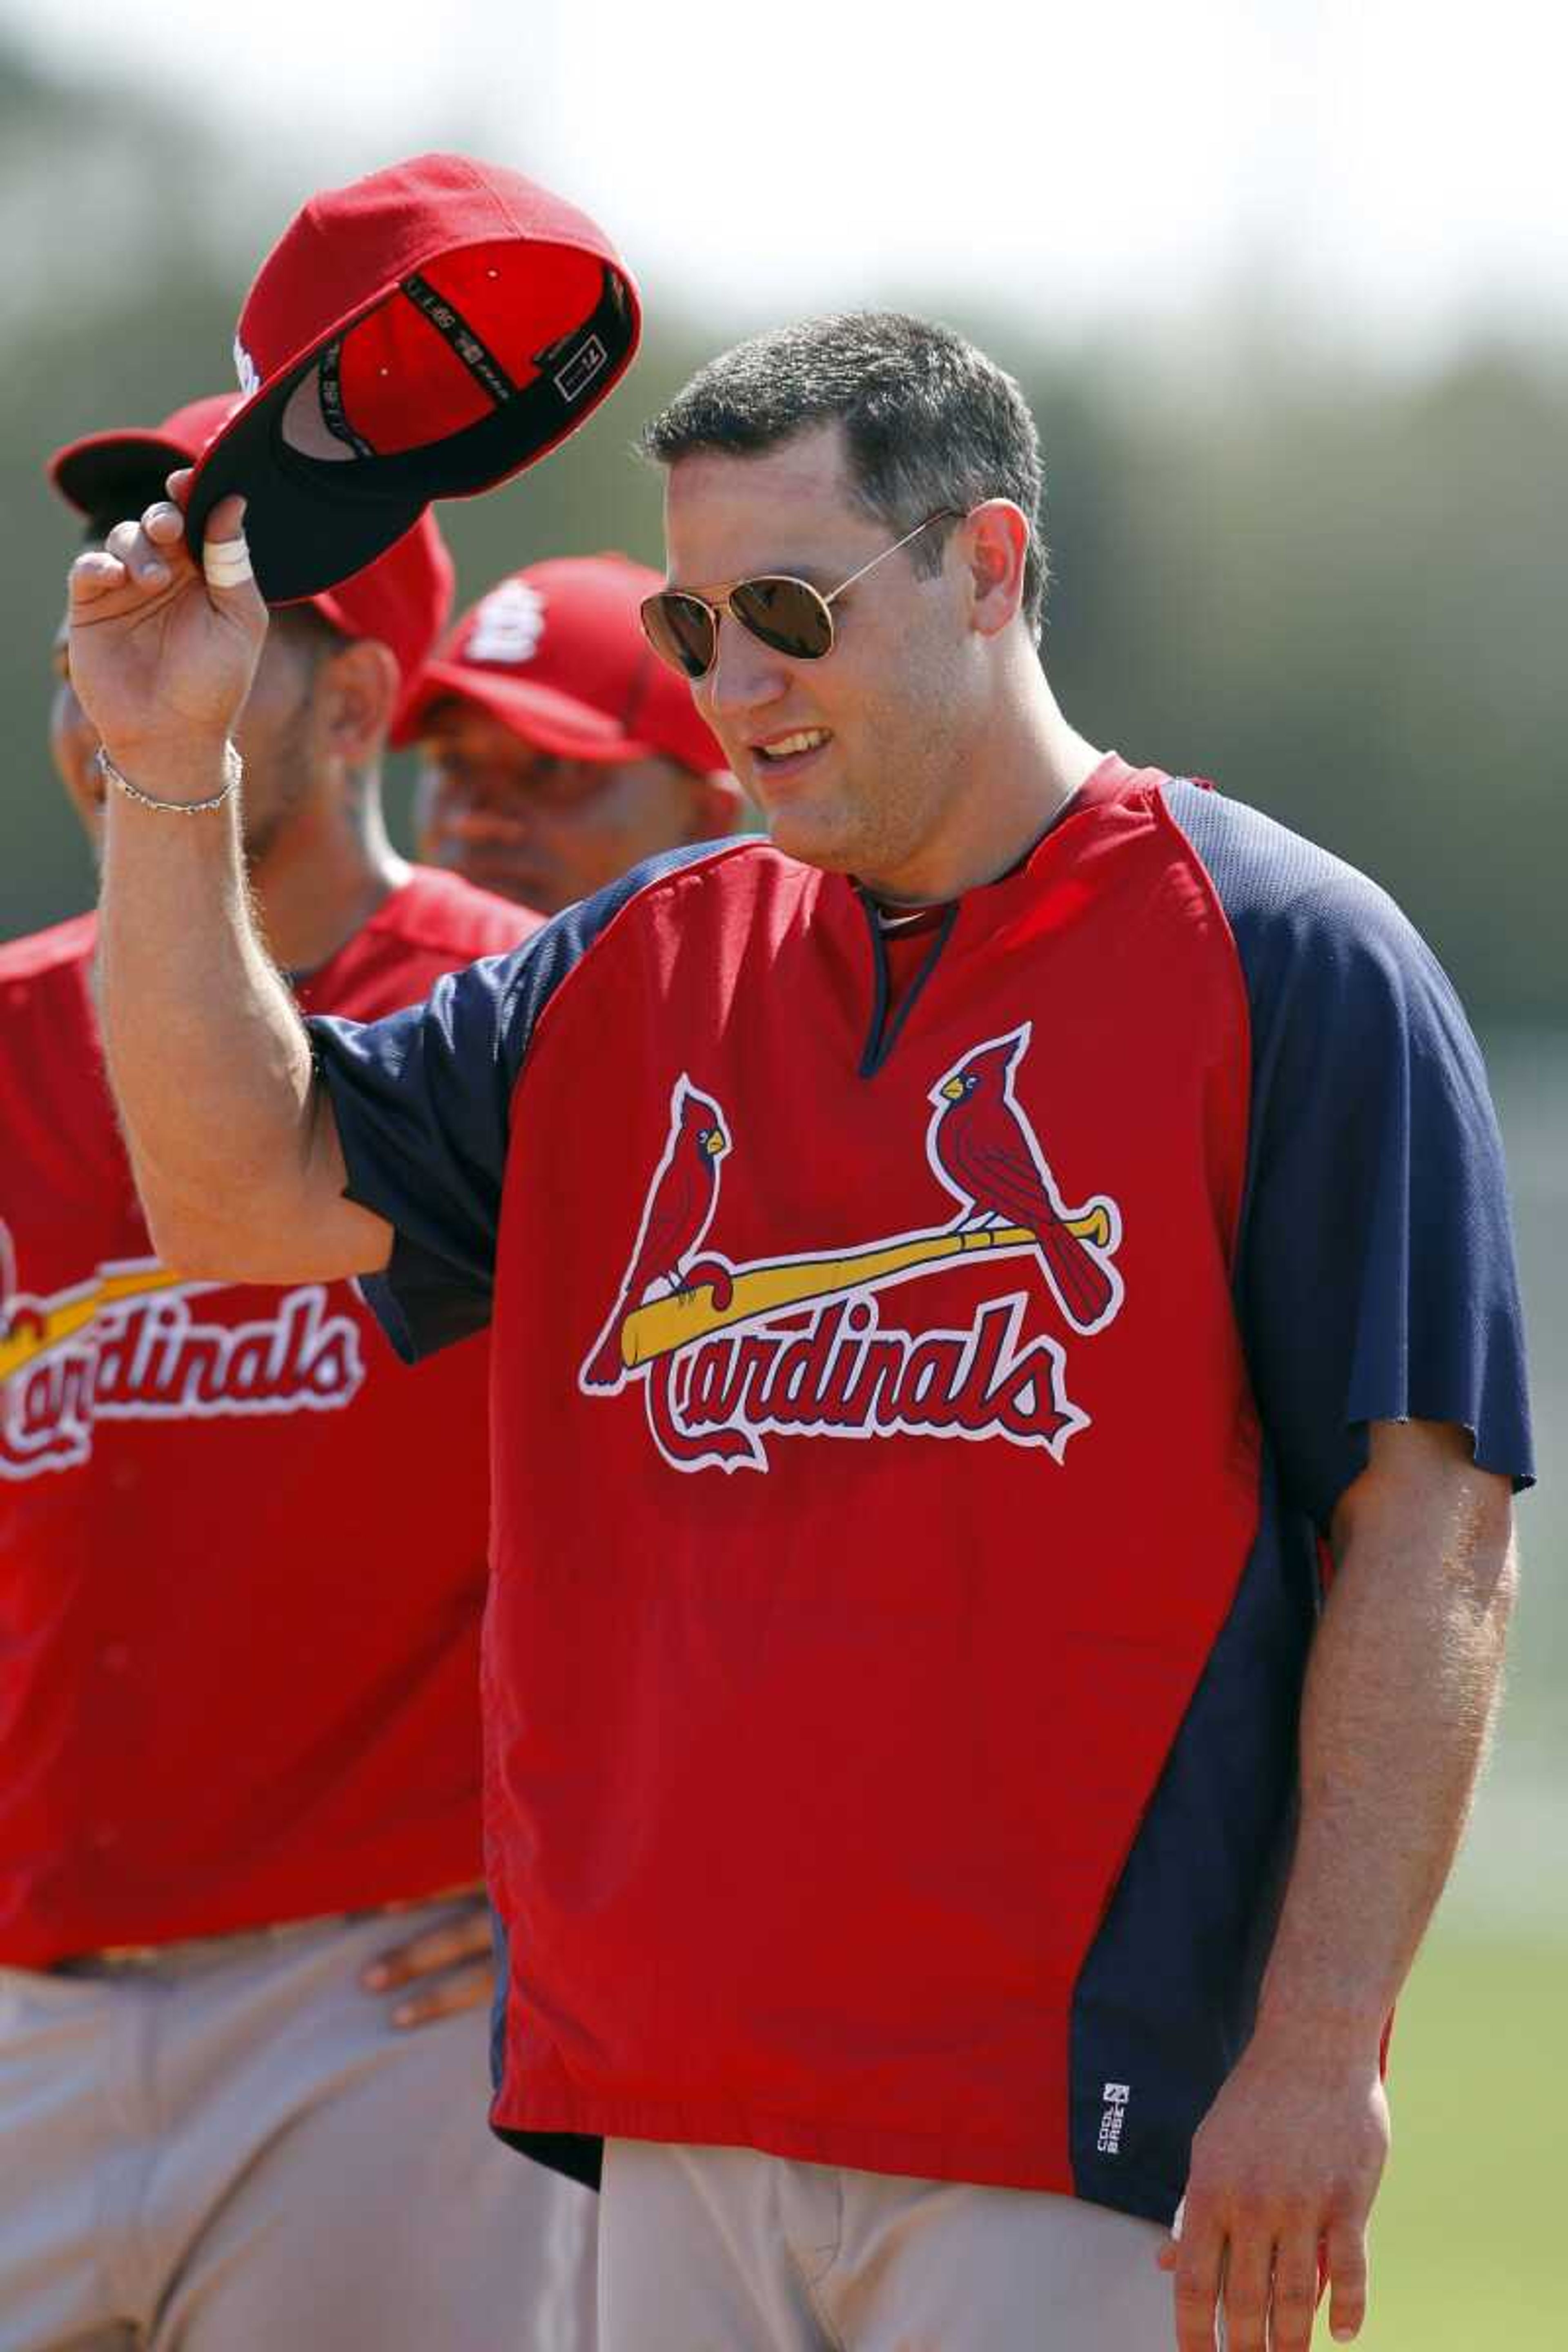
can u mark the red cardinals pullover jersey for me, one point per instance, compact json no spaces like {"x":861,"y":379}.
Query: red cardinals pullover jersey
{"x":237,"y":1659}
{"x":913,"y":1435}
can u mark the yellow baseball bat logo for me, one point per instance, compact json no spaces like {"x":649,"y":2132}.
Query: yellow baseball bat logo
{"x":675,"y":1321}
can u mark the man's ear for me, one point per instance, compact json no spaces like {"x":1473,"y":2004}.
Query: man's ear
{"x":993,"y":542}
{"x":359,"y":688}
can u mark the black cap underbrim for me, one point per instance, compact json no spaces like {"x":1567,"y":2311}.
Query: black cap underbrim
{"x":312,"y":522}
{"x":307,"y":530}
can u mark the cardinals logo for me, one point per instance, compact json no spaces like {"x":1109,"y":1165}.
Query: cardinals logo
{"x":728,"y":1355}
{"x":125,"y":1345}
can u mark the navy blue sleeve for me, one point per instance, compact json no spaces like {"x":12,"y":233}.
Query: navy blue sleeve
{"x":422,"y":1105}
{"x":1375,"y":1277}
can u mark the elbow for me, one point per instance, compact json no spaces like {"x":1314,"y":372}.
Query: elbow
{"x":195,"y":1247}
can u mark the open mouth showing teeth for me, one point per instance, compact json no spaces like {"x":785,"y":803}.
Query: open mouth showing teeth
{"x":790,"y":747}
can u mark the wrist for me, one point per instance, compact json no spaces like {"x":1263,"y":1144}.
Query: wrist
{"x":188,"y":775}
{"x":1317,"y":2037}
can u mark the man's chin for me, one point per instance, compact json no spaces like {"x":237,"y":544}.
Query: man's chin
{"x":810,"y":836}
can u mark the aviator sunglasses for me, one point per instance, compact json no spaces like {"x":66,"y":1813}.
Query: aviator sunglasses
{"x":787,"y":615}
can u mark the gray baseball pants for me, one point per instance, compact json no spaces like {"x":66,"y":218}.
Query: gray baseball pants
{"x":231,"y":2148}
{"x":722,"y":2249}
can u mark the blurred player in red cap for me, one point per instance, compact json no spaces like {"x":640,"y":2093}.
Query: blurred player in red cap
{"x":238,"y":1693}
{"x":558,"y":751}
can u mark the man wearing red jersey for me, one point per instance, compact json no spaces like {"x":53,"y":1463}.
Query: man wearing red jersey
{"x":556,"y":750}
{"x":243,"y":1958}
{"x":959,"y":1269}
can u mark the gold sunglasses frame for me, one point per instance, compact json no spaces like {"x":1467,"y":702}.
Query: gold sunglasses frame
{"x":714,"y":607}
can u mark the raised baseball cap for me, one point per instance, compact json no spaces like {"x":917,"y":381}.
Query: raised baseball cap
{"x":556,"y":653}
{"x":424,"y":333}
{"x":404,"y":599}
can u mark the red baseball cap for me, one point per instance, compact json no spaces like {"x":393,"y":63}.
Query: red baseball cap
{"x":402,"y":599}
{"x":422,"y":333}
{"x":557,"y":653}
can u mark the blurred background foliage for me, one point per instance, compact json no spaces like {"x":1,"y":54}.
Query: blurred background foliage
{"x":1336,"y":592}
{"x":1334,"y":582}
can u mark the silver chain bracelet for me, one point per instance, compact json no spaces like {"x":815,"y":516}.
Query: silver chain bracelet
{"x":232,"y":769}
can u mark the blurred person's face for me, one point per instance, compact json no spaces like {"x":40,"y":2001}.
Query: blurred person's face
{"x":276,"y":738}
{"x":855,"y":760}
{"x":546,"y":831}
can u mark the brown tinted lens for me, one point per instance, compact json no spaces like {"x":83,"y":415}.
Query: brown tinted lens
{"x":785,"y":613}
{"x":681,"y":631}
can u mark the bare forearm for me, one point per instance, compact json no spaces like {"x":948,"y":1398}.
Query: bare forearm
{"x":206,"y":1054}
{"x":236,"y":1153}
{"x":1398,"y":1703}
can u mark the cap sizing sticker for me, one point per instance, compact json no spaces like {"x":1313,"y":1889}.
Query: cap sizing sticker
{"x":585,"y":363}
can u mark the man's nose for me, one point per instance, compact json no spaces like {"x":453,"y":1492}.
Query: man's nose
{"x":746,"y":674}
{"x":469,"y":808}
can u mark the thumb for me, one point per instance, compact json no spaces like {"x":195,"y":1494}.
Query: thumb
{"x":226,"y":556}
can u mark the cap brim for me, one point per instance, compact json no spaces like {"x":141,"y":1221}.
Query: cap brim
{"x":540,"y":715}
{"x":105,"y":469}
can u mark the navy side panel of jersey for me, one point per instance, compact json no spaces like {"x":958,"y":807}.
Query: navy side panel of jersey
{"x":422,"y":1105}
{"x":1375,"y":1279}
{"x":1376,"y":1273}
{"x":1165,"y":2000}
{"x":579,"y":2155}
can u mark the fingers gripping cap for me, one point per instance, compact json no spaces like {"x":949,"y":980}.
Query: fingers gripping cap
{"x":423,"y":334}
{"x":402,"y":599}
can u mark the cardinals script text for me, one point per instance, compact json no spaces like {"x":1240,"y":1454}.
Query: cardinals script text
{"x":729,"y":1355}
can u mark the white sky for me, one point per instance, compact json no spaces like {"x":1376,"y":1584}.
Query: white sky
{"x":1079,"y":160}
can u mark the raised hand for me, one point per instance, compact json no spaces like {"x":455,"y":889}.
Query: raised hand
{"x":163,"y":651}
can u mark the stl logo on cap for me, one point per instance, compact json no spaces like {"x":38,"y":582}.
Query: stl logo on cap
{"x":507,"y":625}
{"x":245,"y":369}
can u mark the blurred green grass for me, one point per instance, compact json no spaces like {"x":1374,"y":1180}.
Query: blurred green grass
{"x":1465,"y":2254}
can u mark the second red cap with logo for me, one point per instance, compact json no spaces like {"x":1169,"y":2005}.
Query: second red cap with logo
{"x":422,"y":333}
{"x":557,"y":653}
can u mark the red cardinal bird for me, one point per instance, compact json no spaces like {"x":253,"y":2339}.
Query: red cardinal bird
{"x":679,"y":1205}
{"x":984,"y":1152}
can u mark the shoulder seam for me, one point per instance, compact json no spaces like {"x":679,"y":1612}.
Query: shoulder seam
{"x":1300,"y":893}
{"x":1239,"y":985}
